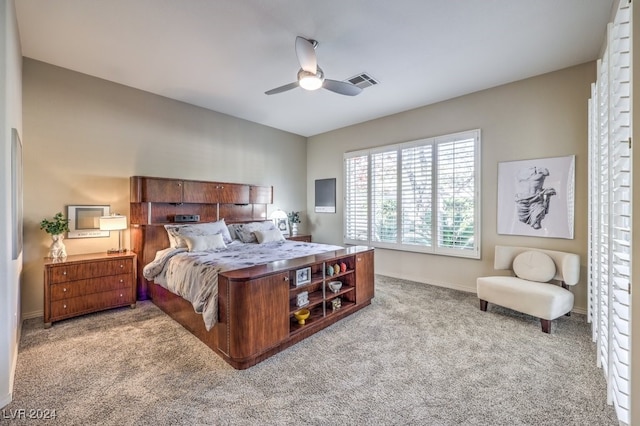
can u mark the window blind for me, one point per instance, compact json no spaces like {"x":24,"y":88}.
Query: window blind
{"x":356,"y":212}
{"x":456,"y":187}
{"x":610,"y":211}
{"x":384,"y":196}
{"x":417,"y":196}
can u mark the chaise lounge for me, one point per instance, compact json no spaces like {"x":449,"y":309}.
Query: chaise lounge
{"x":532,"y":290}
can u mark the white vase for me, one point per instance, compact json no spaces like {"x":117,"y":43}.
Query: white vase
{"x":57,"y":249}
{"x":294,"y":229}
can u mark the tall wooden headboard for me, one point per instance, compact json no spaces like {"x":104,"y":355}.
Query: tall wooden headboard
{"x":156,"y":201}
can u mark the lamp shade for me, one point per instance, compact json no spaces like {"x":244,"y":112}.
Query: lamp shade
{"x":113,"y":223}
{"x":278,"y":214}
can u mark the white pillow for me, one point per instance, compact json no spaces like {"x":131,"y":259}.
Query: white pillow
{"x":246,"y":232}
{"x":534,"y":266}
{"x":269,"y":236}
{"x":201,"y":229}
{"x":205,"y":242}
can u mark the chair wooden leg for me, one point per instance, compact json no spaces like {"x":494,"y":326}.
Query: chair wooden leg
{"x":546,"y":325}
{"x":483,"y":305}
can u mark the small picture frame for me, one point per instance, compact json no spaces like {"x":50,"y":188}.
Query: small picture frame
{"x":303,"y":276}
{"x":283,"y":225}
{"x":336,"y":304}
{"x":302,"y":299}
{"x":84,"y":221}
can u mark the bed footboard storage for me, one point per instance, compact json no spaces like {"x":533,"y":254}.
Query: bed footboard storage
{"x":257,"y":304}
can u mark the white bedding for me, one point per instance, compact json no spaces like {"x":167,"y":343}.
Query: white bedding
{"x":194,"y":275}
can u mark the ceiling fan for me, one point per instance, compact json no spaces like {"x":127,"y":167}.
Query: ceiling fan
{"x":311,"y":76}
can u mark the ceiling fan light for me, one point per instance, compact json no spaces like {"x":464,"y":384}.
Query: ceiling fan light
{"x":311,"y":82}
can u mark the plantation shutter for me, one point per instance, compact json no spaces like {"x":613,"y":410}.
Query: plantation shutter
{"x":603,"y":202}
{"x":593,"y":212}
{"x":620,"y":209}
{"x":610,"y":212}
{"x":416,"y":195}
{"x":356,"y":198}
{"x":394,"y":198}
{"x":384,"y":196}
{"x":456,"y":188}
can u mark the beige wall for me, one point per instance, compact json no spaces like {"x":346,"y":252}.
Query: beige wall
{"x":544,"y":116}
{"x":84,"y":137}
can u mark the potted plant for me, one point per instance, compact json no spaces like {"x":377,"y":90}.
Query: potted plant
{"x":56,"y":227}
{"x":294,"y":218}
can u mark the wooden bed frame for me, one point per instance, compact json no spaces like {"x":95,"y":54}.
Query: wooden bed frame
{"x":256,"y":305}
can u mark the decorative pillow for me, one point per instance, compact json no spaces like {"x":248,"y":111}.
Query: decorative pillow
{"x":201,"y":229}
{"x":269,"y":236}
{"x":205,"y":242}
{"x":246,"y":231}
{"x":232,"y":232}
{"x":175,"y":240}
{"x":534,"y":266}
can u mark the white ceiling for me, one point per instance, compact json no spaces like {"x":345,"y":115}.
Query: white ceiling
{"x":224,"y":54}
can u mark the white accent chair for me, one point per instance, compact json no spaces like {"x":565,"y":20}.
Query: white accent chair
{"x":531,"y":291}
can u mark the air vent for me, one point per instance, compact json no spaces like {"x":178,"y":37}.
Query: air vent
{"x":362,"y":80}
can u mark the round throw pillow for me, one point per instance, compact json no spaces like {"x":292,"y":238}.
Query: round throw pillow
{"x":534,"y":266}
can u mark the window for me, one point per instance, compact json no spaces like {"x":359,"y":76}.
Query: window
{"x":419,"y":196}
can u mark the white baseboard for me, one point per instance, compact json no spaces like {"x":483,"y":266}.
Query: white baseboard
{"x":34,"y":314}
{"x":435,"y":283}
{"x":6,"y":399}
{"x":452,"y":286}
{"x":581,"y":311}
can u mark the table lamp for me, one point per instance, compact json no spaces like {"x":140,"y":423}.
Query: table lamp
{"x":281,"y":220}
{"x":114,"y":222}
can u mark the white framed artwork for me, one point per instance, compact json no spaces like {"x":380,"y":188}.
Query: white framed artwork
{"x":84,"y":221}
{"x":536,"y":197}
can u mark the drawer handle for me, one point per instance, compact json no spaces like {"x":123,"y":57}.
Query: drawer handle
{"x":121,"y":266}
{"x":64,"y":289}
{"x":359,"y":259}
{"x":64,"y":272}
{"x":121,"y":281}
{"x":286,"y":278}
{"x":64,"y":306}
{"x":120,"y":294}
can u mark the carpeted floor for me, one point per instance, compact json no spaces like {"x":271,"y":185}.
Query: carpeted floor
{"x":419,"y":355}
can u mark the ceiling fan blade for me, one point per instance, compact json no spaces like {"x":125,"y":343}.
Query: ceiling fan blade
{"x":282,"y":88}
{"x":306,"y":53}
{"x":341,"y":87}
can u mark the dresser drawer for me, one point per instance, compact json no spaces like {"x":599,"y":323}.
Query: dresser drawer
{"x":72,"y":272}
{"x":77,"y":288}
{"x":80,"y":305}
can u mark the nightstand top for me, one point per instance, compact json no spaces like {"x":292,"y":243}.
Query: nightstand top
{"x":88,"y":256}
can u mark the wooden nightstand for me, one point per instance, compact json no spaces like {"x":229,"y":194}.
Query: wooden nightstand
{"x":86,"y":283}
{"x":303,"y":238}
